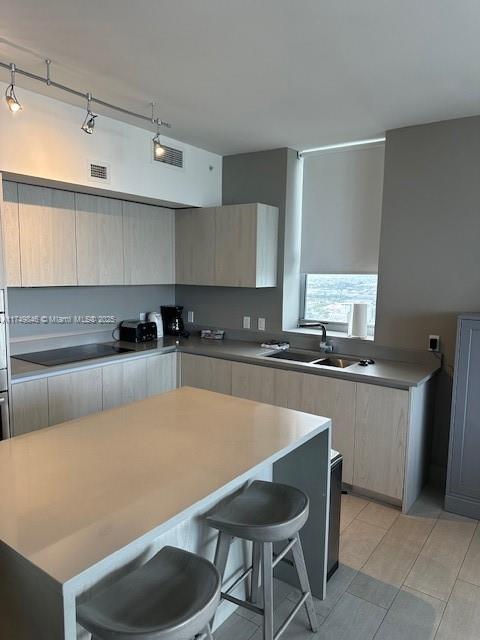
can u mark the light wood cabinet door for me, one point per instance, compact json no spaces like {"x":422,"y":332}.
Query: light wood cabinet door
{"x":124,"y":382}
{"x":203,"y":372}
{"x":235,"y":246}
{"x":99,"y":240}
{"x":253,"y":382}
{"x":73,"y":395}
{"x":47,"y":236}
{"x":288,"y":389}
{"x":149,"y":244}
{"x":161,"y":373}
{"x":11,"y":234}
{"x":380,"y":439}
{"x":195,"y":246}
{"x":29,"y":406}
{"x":333,"y":399}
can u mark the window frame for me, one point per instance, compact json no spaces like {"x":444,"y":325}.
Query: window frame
{"x":341,"y":327}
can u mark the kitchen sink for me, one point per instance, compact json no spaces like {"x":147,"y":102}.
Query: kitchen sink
{"x":302,"y":356}
{"x":295,"y":356}
{"x":340,"y":363}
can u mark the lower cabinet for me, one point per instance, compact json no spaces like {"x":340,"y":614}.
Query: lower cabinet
{"x":48,"y":401}
{"x":310,"y":393}
{"x":335,"y":399}
{"x":381,"y":439}
{"x":212,"y":374}
{"x":30,"y":406}
{"x":370,"y":423}
{"x":73,"y":395}
{"x":124,"y":382}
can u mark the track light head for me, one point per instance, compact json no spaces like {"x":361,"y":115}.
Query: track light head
{"x":10,"y":97}
{"x":89,"y":122}
{"x":158,"y":148}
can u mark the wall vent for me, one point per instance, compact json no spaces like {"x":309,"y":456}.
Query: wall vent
{"x":172,"y":156}
{"x":98,"y":171}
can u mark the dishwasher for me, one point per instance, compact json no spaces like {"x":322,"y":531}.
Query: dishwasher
{"x":336,"y":463}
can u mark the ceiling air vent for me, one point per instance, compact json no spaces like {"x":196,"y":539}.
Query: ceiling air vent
{"x":173,"y":157}
{"x":98,"y":171}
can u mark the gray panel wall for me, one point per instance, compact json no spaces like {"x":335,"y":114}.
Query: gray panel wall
{"x":249,"y":177}
{"x":429,"y":244}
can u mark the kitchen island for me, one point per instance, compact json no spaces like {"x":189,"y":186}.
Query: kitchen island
{"x":89,"y":499}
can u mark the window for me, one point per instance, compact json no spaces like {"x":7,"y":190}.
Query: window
{"x":329,"y":297}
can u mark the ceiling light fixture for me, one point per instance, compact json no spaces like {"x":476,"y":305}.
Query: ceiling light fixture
{"x":89,"y":122}
{"x":10,"y":97}
{"x":158,"y":148}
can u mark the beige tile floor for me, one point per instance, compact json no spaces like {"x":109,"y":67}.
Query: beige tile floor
{"x":401,"y":577}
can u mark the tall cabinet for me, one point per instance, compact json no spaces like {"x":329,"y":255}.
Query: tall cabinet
{"x":463,"y":478}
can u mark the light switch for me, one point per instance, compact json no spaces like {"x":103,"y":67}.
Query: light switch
{"x":246,"y":322}
{"x":190,"y":316}
{"x":261,"y":324}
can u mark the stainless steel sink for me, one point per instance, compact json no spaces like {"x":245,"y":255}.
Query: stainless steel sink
{"x":295,"y":356}
{"x":303,"y":356}
{"x":340,"y":363}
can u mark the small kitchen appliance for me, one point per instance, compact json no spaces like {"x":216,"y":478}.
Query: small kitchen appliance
{"x":173,"y":321}
{"x":137,"y":331}
{"x":156,"y":316}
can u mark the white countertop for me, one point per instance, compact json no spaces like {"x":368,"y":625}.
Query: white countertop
{"x":75,"y":493}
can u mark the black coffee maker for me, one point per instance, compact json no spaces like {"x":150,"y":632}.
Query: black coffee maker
{"x":173,"y":321}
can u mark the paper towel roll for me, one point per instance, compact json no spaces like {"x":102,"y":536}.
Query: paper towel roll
{"x":358,"y":320}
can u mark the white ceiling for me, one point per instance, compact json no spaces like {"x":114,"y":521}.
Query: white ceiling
{"x":244,"y":75}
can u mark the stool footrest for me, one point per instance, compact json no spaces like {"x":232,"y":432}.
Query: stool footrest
{"x":242,"y":603}
{"x":283,"y":553}
{"x":291,"y":616}
{"x":240,"y":579}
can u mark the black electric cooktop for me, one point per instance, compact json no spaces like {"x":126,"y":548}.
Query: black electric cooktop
{"x":53,"y":357}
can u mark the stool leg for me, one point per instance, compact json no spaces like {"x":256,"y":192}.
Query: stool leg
{"x":256,"y":564}
{"x":208,"y":632}
{"x":267,"y":584}
{"x":301,"y":568}
{"x":221,"y":556}
{"x":221,"y":552}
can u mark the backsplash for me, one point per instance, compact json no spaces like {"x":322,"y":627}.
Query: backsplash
{"x":74,"y":315}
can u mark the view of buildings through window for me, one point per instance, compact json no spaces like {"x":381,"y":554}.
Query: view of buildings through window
{"x":329,"y":297}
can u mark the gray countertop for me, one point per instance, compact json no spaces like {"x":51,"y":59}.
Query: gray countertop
{"x":400,"y":375}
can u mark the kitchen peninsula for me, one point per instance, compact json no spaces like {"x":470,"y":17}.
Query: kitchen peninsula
{"x":91,"y":498}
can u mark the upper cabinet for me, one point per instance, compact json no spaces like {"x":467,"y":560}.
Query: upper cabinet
{"x":53,"y":237}
{"x":231,"y":246}
{"x":47,"y":236}
{"x":149,"y":244}
{"x":11,"y":234}
{"x":99,"y":243}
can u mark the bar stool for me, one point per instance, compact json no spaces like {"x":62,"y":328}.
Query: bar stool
{"x":265,"y":513}
{"x":171,"y":597}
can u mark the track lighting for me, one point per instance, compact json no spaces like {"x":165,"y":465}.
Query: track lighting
{"x":10,"y":97}
{"x":158,"y":148}
{"x":89,"y":122}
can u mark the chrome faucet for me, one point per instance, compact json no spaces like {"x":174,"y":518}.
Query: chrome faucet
{"x":324,"y":346}
{"x":308,"y":324}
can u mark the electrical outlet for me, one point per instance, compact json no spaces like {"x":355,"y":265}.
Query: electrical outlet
{"x":246,"y":322}
{"x":261,"y":324}
{"x":434,"y":343}
{"x":190,"y":316}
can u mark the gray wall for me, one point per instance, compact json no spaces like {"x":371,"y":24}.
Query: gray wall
{"x":250,"y":177}
{"x":429,"y":268}
{"x":122,"y":302}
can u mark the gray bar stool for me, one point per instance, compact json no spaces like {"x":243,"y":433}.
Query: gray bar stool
{"x":173,"y":596}
{"x":265,"y":513}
